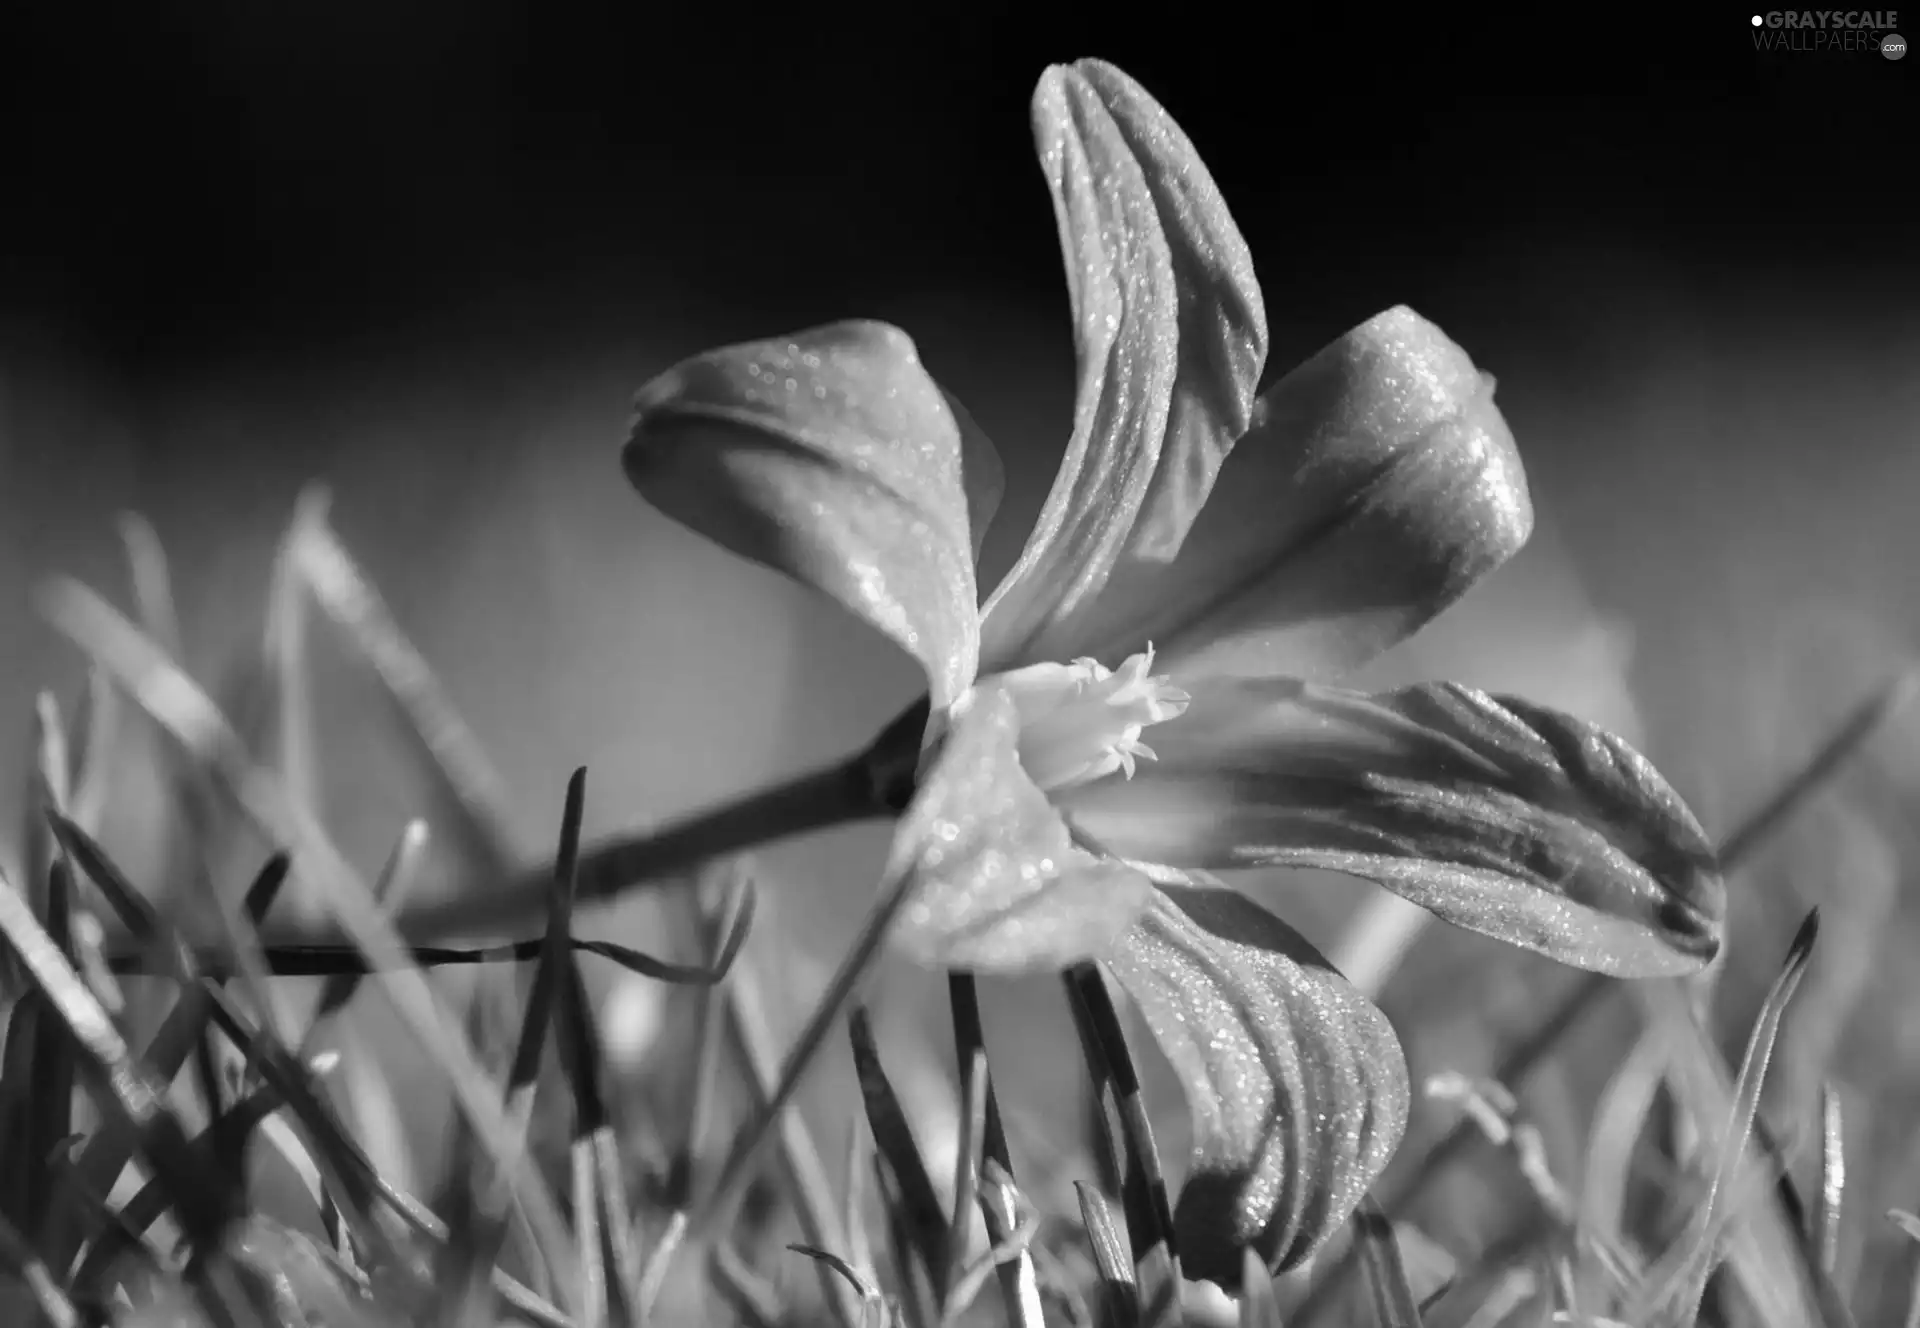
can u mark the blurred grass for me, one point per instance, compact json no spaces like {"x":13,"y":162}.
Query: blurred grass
{"x":1719,"y":576}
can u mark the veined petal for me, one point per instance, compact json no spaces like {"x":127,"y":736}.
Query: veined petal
{"x":1222,"y":318}
{"x":831,"y":456}
{"x":1170,"y":336}
{"x":1377,"y":485}
{"x":1506,"y":818}
{"x":1001,"y":889}
{"x":1296,"y":1081}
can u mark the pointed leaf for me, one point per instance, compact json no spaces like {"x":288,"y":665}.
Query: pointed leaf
{"x":830,"y":456}
{"x":1296,"y":1082}
{"x":999,"y":886}
{"x":1503,"y":817}
{"x":1170,"y":335}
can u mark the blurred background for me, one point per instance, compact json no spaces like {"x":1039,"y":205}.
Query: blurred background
{"x":426,"y":253}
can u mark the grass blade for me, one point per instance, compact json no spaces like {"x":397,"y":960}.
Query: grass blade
{"x":1114,"y":1067}
{"x":1013,"y":1252}
{"x":205,"y":1201}
{"x":1825,"y":1231}
{"x":975,"y":1088}
{"x":756,"y":1301}
{"x":719,"y":930}
{"x":184,"y":711}
{"x":1259,"y":1307}
{"x":19,"y":1260}
{"x":853,"y":971}
{"x":613,"y":1271}
{"x":653,"y":1277}
{"x":773,"y":1085}
{"x":97,"y":731}
{"x":467,"y":780}
{"x":920,"y":1307}
{"x":1681,"y":1282}
{"x":1394,"y":1305}
{"x":893,"y":1137}
{"x":871,"y":1302}
{"x":998,"y":1200}
{"x":390,"y":888}
{"x":1113,"y":1257}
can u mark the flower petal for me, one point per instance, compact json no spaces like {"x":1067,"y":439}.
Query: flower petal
{"x":1002,"y":889}
{"x":1499,"y":816}
{"x":831,"y":456}
{"x":1296,"y":1081}
{"x":1170,"y":335}
{"x":1377,"y":485}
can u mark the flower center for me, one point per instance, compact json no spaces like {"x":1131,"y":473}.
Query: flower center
{"x":1082,"y":721}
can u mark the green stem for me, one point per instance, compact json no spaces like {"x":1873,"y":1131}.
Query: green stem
{"x":832,"y":795}
{"x":816,"y":800}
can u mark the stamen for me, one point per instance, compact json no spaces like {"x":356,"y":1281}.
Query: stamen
{"x":1082,"y":721}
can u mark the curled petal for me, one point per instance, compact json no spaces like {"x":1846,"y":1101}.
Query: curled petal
{"x":1377,"y":484}
{"x":1222,"y":319}
{"x":1296,"y":1082}
{"x":1506,"y":818}
{"x":1170,"y":337}
{"x":1001,"y":888}
{"x":833,"y":457}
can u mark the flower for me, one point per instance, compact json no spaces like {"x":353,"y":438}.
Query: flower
{"x":1074,"y":803}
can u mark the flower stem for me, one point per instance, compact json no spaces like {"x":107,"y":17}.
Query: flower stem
{"x":829,"y":796}
{"x":833,"y":795}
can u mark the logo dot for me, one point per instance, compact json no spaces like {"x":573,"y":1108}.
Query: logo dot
{"x":1757,"y":20}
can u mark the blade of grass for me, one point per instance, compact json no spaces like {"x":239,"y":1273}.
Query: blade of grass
{"x":285,"y":652}
{"x":899,"y":1152}
{"x":1768,"y":1257}
{"x":206,"y":1203}
{"x":1394,"y":1305}
{"x":18,"y":1258}
{"x":184,"y":711}
{"x":1114,"y":1067}
{"x":397,"y":876}
{"x":653,"y":1277}
{"x":97,"y":730}
{"x":826,"y":1014}
{"x":860,"y":1156}
{"x":538,"y":1020}
{"x":1019,"y":1285}
{"x":40,"y":1067}
{"x":1259,"y":1307}
{"x":1910,"y":1224}
{"x":711,"y":1020}
{"x":338,"y":1157}
{"x":972,"y":1146}
{"x":468,"y":780}
{"x":1059,"y":1287}
{"x":773,"y":1085}
{"x":920,"y":1307}
{"x":752,"y":1297}
{"x":226,"y":1137}
{"x":612,"y":1281}
{"x":1011,"y":1252}
{"x":1825,"y":1230}
{"x":1113,"y":1257}
{"x":1681,"y":1280}
{"x":872,"y":1305}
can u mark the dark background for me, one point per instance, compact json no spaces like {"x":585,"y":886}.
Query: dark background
{"x":260,"y":175}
